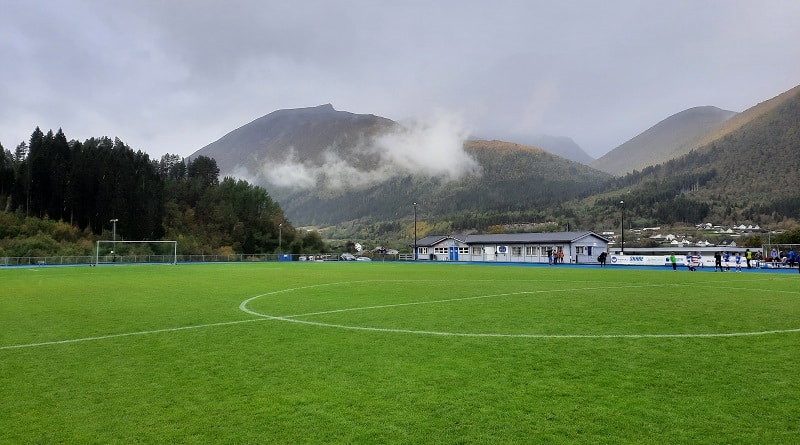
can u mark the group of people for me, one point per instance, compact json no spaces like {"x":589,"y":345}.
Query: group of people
{"x":554,"y":257}
{"x":725,"y":257}
{"x":783,"y":259}
{"x":693,"y":261}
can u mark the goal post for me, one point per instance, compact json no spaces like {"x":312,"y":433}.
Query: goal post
{"x":162,"y":252}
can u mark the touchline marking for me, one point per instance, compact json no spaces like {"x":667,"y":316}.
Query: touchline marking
{"x":294,"y":318}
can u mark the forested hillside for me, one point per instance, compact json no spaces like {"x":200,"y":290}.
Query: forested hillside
{"x":516,"y":182}
{"x":55,"y":191}
{"x":76,"y":188}
{"x":748,"y":175}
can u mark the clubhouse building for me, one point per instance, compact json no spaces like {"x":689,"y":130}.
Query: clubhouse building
{"x":576,"y":247}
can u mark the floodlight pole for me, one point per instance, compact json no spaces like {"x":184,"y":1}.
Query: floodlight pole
{"x":114,"y":237}
{"x":415,"y":231}
{"x":622,"y":225}
{"x":280,"y":238}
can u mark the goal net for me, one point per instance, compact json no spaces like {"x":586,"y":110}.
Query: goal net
{"x":109,"y":252}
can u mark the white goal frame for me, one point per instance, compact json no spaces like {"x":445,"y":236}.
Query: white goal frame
{"x":97,"y":256}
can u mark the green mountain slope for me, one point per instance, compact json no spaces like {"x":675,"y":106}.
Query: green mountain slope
{"x":669,"y":139}
{"x":513,"y":180}
{"x":750,"y":173}
{"x":365,"y":170}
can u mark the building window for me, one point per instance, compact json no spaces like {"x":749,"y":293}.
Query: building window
{"x":423,"y":250}
{"x":579,"y":250}
{"x":477,"y":251}
{"x":516,"y":251}
{"x":531,"y":250}
{"x":440,"y":250}
{"x":463,"y":250}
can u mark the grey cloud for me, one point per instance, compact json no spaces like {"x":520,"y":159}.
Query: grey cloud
{"x":174,"y":75}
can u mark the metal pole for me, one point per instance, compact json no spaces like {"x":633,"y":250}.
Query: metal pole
{"x":114,"y":238}
{"x":415,"y":231}
{"x":280,"y":238}
{"x":622,"y":225}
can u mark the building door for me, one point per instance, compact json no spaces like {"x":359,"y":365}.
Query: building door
{"x":453,"y":253}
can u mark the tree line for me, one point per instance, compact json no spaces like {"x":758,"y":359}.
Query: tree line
{"x":87,"y":184}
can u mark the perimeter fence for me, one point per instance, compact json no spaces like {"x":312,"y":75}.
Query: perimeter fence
{"x":201,"y":258}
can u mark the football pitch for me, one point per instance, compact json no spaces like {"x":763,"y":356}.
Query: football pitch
{"x":397,"y":353}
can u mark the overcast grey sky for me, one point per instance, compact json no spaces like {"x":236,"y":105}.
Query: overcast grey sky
{"x":169,"y":76}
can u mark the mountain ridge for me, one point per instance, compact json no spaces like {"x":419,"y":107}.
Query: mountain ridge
{"x":497,"y":181}
{"x":748,"y":174}
{"x":271,"y":137}
{"x":668,"y":139}
{"x":563,"y":146}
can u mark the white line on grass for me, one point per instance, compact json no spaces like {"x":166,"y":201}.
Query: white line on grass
{"x":556,"y":336}
{"x":126,"y":334}
{"x":155,"y":331}
{"x":294,"y":318}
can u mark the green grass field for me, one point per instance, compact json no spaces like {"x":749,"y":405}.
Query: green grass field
{"x":389,"y":353}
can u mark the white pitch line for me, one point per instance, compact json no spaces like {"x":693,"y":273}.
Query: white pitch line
{"x":157,"y":331}
{"x":541,"y":336}
{"x":294,"y":318}
{"x":126,"y":334}
{"x":243,"y":305}
{"x":448,"y":300}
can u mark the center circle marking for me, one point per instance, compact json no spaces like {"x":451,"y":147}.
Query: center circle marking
{"x":292,"y":318}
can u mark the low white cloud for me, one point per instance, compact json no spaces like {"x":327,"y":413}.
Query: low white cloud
{"x":430,"y":148}
{"x":433,"y":148}
{"x":291,"y":173}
